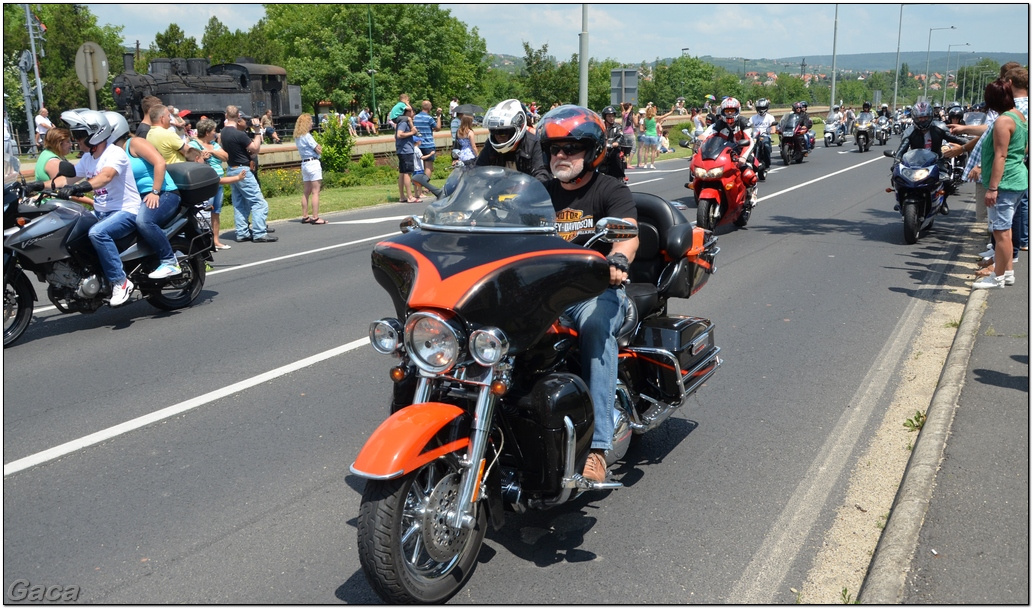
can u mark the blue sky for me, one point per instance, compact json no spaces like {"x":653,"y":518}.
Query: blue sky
{"x":634,"y":32}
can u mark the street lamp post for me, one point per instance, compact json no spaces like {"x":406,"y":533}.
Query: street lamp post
{"x":928,"y":46}
{"x":371,"y":71}
{"x":964,"y":79}
{"x":947,"y":77}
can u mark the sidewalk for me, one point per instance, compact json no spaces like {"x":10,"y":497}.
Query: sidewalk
{"x":959,"y":530}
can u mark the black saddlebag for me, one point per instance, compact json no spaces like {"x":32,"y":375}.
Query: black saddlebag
{"x":675,"y":356}
{"x":197,"y":182}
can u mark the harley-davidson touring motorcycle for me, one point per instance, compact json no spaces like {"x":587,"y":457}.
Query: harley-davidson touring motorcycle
{"x":722,"y":190}
{"x":490,"y":411}
{"x":49,"y":237}
{"x":919,"y":186}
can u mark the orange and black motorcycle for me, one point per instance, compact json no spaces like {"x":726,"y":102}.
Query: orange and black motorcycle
{"x":490,"y":411}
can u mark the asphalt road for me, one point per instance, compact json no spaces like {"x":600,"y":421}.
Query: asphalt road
{"x":238,"y":489}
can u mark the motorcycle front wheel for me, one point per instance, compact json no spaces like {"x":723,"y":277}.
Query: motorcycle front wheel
{"x":912,"y":225}
{"x":178,"y":291}
{"x":408,"y":549}
{"x":786,"y":157}
{"x":17,"y":306}
{"x":705,"y":210}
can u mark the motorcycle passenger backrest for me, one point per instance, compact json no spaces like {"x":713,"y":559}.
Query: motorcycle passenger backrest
{"x":656,"y":217}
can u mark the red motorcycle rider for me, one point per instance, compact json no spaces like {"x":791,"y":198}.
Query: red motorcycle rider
{"x":732,"y":126}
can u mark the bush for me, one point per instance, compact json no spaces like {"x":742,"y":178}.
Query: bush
{"x":337,"y":146}
{"x":367,"y":160}
{"x":277,"y":182}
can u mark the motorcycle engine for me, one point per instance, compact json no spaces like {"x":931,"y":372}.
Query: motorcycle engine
{"x":70,"y":291}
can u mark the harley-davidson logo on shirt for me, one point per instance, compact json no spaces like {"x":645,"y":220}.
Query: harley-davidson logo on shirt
{"x":572,"y":222}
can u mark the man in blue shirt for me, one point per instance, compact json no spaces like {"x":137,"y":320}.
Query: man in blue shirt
{"x":426,"y":125}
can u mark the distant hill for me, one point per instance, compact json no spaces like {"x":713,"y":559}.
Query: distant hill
{"x":857,"y":63}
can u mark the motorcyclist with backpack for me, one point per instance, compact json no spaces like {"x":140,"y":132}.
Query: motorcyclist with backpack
{"x":511,"y":143}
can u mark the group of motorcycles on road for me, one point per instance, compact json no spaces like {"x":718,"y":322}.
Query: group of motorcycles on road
{"x":490,"y":410}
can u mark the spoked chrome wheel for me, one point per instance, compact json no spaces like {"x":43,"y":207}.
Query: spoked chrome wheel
{"x":408,"y":548}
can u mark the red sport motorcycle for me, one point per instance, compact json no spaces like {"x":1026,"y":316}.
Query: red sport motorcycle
{"x":724,"y":192}
{"x":490,"y":411}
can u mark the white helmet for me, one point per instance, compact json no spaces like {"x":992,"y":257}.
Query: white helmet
{"x":119,"y":126}
{"x":506,"y":125}
{"x":91,"y":121}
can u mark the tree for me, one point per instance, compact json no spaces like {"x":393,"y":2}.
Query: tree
{"x":61,"y":87}
{"x":174,"y":43}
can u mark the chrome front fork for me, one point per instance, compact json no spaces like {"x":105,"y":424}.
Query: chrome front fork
{"x":474,"y":463}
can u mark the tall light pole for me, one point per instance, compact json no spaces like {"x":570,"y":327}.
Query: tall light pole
{"x":928,"y":46}
{"x":583,"y":58}
{"x":964,"y":80}
{"x":896,"y":69}
{"x":947,"y":77}
{"x":372,"y":72}
{"x":835,"y":33}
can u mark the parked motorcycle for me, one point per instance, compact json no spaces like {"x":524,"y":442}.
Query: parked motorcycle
{"x":865,"y":131}
{"x":723,"y":192}
{"x":49,"y":237}
{"x":490,"y":411}
{"x":882,"y":130}
{"x":835,"y":132}
{"x":791,"y":138}
{"x":920,"y":193}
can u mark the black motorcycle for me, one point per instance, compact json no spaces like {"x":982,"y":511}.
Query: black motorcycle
{"x":49,"y":237}
{"x":916,"y":180}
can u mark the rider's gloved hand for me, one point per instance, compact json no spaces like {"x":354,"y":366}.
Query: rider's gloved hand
{"x":75,"y":190}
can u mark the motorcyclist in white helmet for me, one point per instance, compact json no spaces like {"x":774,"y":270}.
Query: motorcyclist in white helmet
{"x":510,"y":143}
{"x":733,"y":126}
{"x":764,"y":122}
{"x":107,"y":171}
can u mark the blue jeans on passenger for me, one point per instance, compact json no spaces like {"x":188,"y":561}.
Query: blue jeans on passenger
{"x":1020,"y":225}
{"x":149,"y":222}
{"x":248,"y":201}
{"x":597,"y":322}
{"x":112,"y":225}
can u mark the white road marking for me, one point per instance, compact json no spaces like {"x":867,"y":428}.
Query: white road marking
{"x":133,"y":424}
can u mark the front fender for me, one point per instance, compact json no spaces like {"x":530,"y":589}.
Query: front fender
{"x":709,"y":192}
{"x":11,"y":271}
{"x":411,"y":438}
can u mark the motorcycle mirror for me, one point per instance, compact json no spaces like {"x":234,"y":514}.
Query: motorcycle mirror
{"x":686,"y":132}
{"x":612,"y":230}
{"x":887,"y":153}
{"x":410,"y":224}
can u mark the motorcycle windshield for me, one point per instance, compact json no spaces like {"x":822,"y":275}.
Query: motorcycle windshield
{"x":713,"y":147}
{"x":865,"y":117}
{"x":974,"y":118}
{"x":493,"y":199}
{"x":788,"y":122}
{"x":918,"y":158}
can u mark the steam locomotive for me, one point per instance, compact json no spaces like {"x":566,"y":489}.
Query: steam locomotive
{"x":203,"y":89}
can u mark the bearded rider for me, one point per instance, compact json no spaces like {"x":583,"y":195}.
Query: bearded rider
{"x":573,"y":141}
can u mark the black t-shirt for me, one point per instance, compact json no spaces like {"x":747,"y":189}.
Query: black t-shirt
{"x":235,"y":143}
{"x":577,"y":211}
{"x":142,"y":129}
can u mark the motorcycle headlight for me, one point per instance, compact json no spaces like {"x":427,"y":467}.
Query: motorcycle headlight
{"x":712,"y":174}
{"x":431,"y":342}
{"x":917,"y":175}
{"x":386,"y":335}
{"x":488,"y":346}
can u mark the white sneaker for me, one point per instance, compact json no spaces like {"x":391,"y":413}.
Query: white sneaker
{"x":652,"y":166}
{"x":989,"y":253}
{"x":1009,"y":278}
{"x":120,"y":293}
{"x":988,"y":282}
{"x":165,"y":270}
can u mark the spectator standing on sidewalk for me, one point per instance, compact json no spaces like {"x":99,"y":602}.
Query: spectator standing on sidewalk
{"x":171,"y":147}
{"x":1005,"y":177}
{"x":311,"y":169}
{"x":404,"y":149}
{"x":420,"y":177}
{"x":205,"y":142}
{"x":426,"y":125}
{"x":246,"y":194}
{"x":43,"y":125}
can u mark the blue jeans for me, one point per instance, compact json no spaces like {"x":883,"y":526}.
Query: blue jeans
{"x":149,"y":221}
{"x":112,"y":225}
{"x":1020,"y":225}
{"x":248,"y":201}
{"x":597,"y":322}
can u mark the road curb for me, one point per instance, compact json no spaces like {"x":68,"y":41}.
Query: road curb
{"x":887,"y":572}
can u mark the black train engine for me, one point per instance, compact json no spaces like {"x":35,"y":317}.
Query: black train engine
{"x":193,"y":85}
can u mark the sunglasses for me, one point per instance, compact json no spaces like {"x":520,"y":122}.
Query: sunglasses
{"x":568,"y":149}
